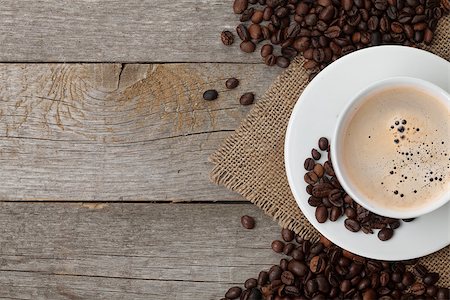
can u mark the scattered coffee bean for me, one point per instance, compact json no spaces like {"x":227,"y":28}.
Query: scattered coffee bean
{"x":232,"y":83}
{"x":247,"y":99}
{"x":315,"y":154}
{"x":210,"y":95}
{"x":321,"y":214}
{"x":227,"y":37}
{"x":385,"y":234}
{"x":247,"y":222}
{"x":309,"y":164}
{"x":352,"y":225}
{"x":323,"y":143}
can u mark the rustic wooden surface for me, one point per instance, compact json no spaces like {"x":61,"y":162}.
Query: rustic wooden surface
{"x":118,"y":31}
{"x":104,"y":188}
{"x":130,"y":250}
{"x":115,"y":132}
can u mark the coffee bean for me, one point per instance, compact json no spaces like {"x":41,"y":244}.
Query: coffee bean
{"x":335,"y":213}
{"x":266,"y":50}
{"x":247,"y":46}
{"x":352,"y":225}
{"x":311,"y":178}
{"x":257,"y":16}
{"x":270,"y":60}
{"x":385,"y":234}
{"x":315,"y":154}
{"x":263,"y":278}
{"x":350,"y":212}
{"x":255,"y":294}
{"x":384,"y":278}
{"x":254,"y":31}
{"x":297,"y":268}
{"x":288,"y":248}
{"x":345,"y":286}
{"x":232,"y":83}
{"x":317,"y":264}
{"x":333,"y":32}
{"x":287,"y":278}
{"x":284,"y":263}
{"x":309,"y":189}
{"x":277,"y":246}
{"x":443,"y":294}
{"x":408,"y":279}
{"x":418,"y":289}
{"x":428,"y":36}
{"x":335,"y":197}
{"x":408,"y":220}
{"x":364,"y":284}
{"x":311,"y":19}
{"x":210,"y":95}
{"x":287,"y":234}
{"x":275,"y":273}
{"x":329,"y":168}
{"x":420,"y":270}
{"x":309,"y":164}
{"x":289,"y":52}
{"x":311,"y":286}
{"x":430,"y":278}
{"x":396,"y":277}
{"x":250,"y":283}
{"x":321,"y":190}
{"x":239,"y":6}
{"x":247,"y":99}
{"x":227,"y":37}
{"x":233,"y":293}
{"x":381,"y":4}
{"x":321,"y":214}
{"x":282,"y":62}
{"x":242,"y":32}
{"x":297,"y":254}
{"x":370,"y":294}
{"x":319,"y":170}
{"x":247,"y":222}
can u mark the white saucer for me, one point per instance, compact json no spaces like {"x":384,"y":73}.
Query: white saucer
{"x":315,"y":115}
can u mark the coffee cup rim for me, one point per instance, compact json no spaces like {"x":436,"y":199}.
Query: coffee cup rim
{"x":348,"y":112}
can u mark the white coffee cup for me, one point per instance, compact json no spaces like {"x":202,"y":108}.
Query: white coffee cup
{"x":337,"y":154}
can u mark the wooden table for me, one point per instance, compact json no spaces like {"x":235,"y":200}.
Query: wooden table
{"x":104,"y":141}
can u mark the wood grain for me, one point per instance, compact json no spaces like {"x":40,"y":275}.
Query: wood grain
{"x":130,"y":250}
{"x":118,"y":31}
{"x":112,"y":132}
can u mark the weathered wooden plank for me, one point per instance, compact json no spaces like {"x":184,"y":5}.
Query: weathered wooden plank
{"x":118,"y":31}
{"x":115,"y":132}
{"x":129,"y":250}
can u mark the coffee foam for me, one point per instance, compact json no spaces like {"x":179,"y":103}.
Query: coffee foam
{"x":396,"y":150}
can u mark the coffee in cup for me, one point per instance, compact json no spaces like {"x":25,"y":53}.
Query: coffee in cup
{"x":393,"y":148}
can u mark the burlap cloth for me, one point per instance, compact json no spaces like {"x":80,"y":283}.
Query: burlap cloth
{"x":251,"y":160}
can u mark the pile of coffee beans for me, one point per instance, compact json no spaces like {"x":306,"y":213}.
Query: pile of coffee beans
{"x":332,"y":202}
{"x":324,"y":30}
{"x":322,"y":270}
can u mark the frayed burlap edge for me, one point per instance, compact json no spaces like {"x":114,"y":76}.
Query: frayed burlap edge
{"x":239,"y":167}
